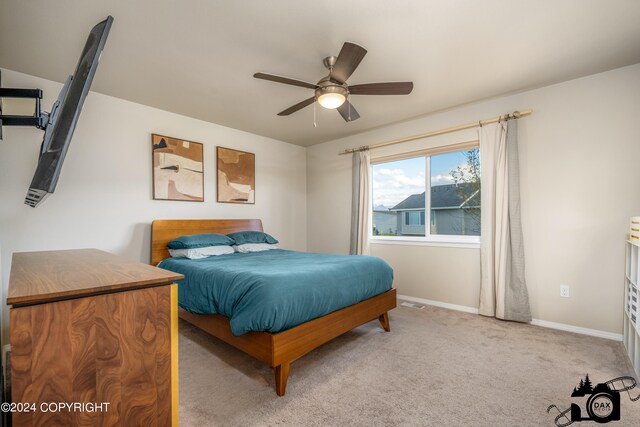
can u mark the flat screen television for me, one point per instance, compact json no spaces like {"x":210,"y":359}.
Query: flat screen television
{"x":64,"y":115}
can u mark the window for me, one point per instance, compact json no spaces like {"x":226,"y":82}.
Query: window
{"x":455,"y":193}
{"x":398,"y":197}
{"x":400,"y":200}
{"x":414,"y":218}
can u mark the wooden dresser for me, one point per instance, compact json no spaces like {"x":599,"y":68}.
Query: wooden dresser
{"x":88,"y":328}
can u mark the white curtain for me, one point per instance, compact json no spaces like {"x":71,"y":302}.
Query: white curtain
{"x":503,"y":290}
{"x":360,"y":204}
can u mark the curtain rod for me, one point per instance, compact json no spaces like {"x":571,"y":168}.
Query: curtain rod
{"x":515,"y":115}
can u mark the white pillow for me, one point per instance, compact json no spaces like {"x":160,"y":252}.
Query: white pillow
{"x":254,"y":247}
{"x":198,"y":253}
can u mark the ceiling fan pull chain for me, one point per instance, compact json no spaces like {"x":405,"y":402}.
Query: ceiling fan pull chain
{"x":314,"y":116}
{"x":348,"y":96}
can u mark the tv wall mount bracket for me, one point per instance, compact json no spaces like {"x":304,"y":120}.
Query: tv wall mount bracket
{"x":40,"y":119}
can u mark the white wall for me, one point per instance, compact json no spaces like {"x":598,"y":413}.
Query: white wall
{"x":104,"y":195}
{"x":579,"y":154}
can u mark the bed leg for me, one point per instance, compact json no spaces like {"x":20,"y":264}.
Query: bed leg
{"x":384,"y":321}
{"x":282,"y":375}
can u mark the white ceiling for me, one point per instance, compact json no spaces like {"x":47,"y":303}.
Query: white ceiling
{"x":197,"y":57}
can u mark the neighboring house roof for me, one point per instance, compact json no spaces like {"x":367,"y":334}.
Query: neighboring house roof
{"x":414,"y":201}
{"x":449,"y":196}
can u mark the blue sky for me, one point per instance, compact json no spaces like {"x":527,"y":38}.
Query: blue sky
{"x":395,"y":181}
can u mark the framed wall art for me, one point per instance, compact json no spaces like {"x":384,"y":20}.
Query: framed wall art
{"x":236,"y":176}
{"x":178,"y":169}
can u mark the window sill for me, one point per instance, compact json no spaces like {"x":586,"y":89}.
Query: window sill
{"x":408,"y":241}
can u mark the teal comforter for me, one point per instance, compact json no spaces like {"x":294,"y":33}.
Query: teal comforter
{"x":276,"y":290}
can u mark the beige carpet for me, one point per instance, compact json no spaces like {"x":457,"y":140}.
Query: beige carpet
{"x":436,"y":367}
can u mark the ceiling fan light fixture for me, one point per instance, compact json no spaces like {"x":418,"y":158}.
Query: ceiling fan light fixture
{"x":332,"y":91}
{"x":331,"y":100}
{"x":331,"y":97}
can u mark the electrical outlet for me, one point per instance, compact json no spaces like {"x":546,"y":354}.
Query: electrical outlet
{"x":564,"y":291}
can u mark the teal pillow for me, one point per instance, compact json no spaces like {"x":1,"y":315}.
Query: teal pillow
{"x":244,"y":237}
{"x":194,"y":241}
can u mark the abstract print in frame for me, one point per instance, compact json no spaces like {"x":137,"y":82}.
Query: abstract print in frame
{"x":178,"y":169}
{"x":236,"y":176}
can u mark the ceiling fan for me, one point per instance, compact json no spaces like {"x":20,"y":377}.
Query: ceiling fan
{"x":332,"y":91}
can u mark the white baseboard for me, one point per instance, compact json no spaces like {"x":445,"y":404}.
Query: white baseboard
{"x":536,"y":322}
{"x":577,"y":329}
{"x":456,"y":307}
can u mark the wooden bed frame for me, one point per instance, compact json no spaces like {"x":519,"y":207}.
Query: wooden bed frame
{"x":280,"y":349}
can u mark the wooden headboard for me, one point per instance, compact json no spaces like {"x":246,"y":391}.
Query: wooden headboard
{"x":165,"y":230}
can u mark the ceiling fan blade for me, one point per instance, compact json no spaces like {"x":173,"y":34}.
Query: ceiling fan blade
{"x":285,"y":80}
{"x":348,"y":60}
{"x":347,"y":112}
{"x":390,"y":88}
{"x":298,"y":106}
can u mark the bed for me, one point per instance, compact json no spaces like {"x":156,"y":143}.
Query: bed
{"x":282,"y":339}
